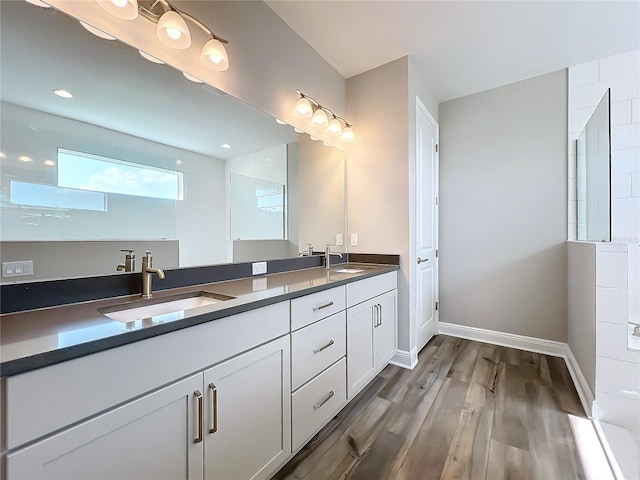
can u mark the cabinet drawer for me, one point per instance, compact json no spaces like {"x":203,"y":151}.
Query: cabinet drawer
{"x":315,"y":403}
{"x":358,"y":292}
{"x":317,"y":346}
{"x":311,"y":308}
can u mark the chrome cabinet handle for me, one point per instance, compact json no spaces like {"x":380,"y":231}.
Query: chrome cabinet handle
{"x":379,"y":314}
{"x":421,"y":260}
{"x":318,"y":405}
{"x":214,"y":401}
{"x":328,"y":304}
{"x":200,"y":415}
{"x":319,"y":349}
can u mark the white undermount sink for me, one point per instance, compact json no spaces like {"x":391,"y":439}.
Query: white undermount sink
{"x":172,"y":307}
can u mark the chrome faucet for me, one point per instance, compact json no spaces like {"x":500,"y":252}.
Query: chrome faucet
{"x":129,"y":264}
{"x":327,"y":256}
{"x":147,"y":272}
{"x":308,"y":253}
{"x":636,"y":329}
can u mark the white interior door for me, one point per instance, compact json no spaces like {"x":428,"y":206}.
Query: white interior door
{"x":426,"y":293}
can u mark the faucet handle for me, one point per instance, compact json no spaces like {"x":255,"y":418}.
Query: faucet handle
{"x":127,"y":251}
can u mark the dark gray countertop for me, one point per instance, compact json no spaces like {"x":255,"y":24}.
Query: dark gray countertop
{"x":38,"y":338}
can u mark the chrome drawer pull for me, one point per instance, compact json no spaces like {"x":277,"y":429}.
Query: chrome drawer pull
{"x":200,"y":415}
{"x":319,"y":349}
{"x":318,"y":405}
{"x":214,"y":400}
{"x":328,"y":304}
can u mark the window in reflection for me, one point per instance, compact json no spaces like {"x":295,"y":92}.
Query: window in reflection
{"x":37,"y":195}
{"x":84,"y":171}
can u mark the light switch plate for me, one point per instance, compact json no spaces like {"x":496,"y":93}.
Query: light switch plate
{"x":259,"y":268}
{"x":354,"y":239}
{"x":339,"y":239}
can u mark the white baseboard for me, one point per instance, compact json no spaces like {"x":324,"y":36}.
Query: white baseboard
{"x":530,"y":344}
{"x":405,"y":359}
{"x":582,"y":387}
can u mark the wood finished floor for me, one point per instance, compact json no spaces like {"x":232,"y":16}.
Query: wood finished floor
{"x":469,"y":410}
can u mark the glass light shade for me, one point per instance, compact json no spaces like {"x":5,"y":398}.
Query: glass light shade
{"x":172,"y":30}
{"x":124,"y":9}
{"x":335,"y":127}
{"x":96,"y":31}
{"x":191,"y":78}
{"x":214,"y":55}
{"x":151,"y":58}
{"x":348,"y":135}
{"x":304,"y":108}
{"x":320,"y":118}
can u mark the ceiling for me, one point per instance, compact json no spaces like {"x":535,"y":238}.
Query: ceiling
{"x":464,"y":47}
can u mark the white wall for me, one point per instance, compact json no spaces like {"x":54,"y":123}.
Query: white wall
{"x":581,"y":308}
{"x":381,"y":166}
{"x":503,"y":209}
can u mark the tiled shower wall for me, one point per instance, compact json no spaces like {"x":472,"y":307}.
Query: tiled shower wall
{"x":587,"y":84}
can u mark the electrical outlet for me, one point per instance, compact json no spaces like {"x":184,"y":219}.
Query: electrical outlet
{"x":354,"y":239}
{"x":17,"y":269}
{"x":259,"y":268}
{"x":339,"y":239}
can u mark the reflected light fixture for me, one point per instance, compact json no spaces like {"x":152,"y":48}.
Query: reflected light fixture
{"x":49,"y":163}
{"x":225,"y":145}
{"x":172,"y":29}
{"x":96,"y":31}
{"x":124,"y":9}
{"x":25,"y":159}
{"x":321,"y":117}
{"x":151,"y":58}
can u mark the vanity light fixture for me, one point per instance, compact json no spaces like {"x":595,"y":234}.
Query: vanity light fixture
{"x":124,"y":9}
{"x":321,"y":117}
{"x":191,"y":78}
{"x":172,"y":28}
{"x":151,"y":58}
{"x":280,"y":122}
{"x":96,"y":31}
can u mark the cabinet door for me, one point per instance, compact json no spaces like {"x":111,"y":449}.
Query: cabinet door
{"x":248,"y":414}
{"x":152,"y":437}
{"x":385,"y":329}
{"x":360,"y":355}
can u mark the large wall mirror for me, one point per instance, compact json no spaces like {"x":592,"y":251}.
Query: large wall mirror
{"x":142,"y":157}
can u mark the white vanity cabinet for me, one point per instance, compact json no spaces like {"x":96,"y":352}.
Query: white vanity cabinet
{"x":231,"y":420}
{"x":152,"y":437}
{"x":371,"y":329}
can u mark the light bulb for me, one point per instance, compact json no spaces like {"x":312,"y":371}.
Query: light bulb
{"x":303,"y":108}
{"x":348,"y":135}
{"x":124,"y":9}
{"x":172,"y":30}
{"x":335,"y":127}
{"x":320,"y":118}
{"x":214,"y":55}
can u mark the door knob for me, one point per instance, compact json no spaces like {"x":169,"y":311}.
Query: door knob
{"x":421,"y":260}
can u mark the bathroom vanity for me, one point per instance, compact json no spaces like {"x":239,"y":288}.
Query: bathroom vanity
{"x":230,"y":390}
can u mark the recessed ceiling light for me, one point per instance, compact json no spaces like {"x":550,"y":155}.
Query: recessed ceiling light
{"x":96,"y":31}
{"x":63,"y":93}
{"x":151,"y":58}
{"x":225,"y":145}
{"x":179,"y":162}
{"x":25,"y":159}
{"x":281,"y":122}
{"x":49,"y":163}
{"x":191,"y":78}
